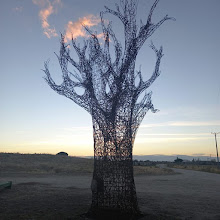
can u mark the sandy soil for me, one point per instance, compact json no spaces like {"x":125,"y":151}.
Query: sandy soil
{"x":189,"y":195}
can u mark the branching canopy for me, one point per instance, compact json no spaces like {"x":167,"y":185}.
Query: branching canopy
{"x":108,"y":83}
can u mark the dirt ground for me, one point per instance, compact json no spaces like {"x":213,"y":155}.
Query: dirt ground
{"x":188,"y":195}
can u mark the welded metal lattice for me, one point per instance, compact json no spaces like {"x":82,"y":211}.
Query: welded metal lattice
{"x":110,"y":96}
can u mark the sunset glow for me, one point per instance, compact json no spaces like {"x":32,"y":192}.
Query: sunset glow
{"x":34,"y":119}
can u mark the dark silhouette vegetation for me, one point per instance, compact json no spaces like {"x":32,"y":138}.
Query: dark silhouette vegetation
{"x":178,"y":160}
{"x":62,"y":154}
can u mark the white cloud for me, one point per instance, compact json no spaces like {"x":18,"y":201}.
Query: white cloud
{"x":174,"y":134}
{"x":182,"y":124}
{"x":74,"y":129}
{"x":170,"y":139}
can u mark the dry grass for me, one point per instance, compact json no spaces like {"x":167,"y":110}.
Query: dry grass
{"x":204,"y":168}
{"x":152,"y":170}
{"x":46,"y":163}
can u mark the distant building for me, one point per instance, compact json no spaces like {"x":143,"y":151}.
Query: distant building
{"x":62,"y":154}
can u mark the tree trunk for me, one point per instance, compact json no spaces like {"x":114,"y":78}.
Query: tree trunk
{"x":113,"y":187}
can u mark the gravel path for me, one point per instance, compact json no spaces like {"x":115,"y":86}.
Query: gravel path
{"x":188,"y":195}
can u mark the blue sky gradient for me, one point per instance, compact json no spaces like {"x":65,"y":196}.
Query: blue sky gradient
{"x":36,"y":119}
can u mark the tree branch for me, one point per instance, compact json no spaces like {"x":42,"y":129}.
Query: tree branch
{"x":148,"y":29}
{"x":66,"y":89}
{"x":151,"y":12}
{"x":117,"y":46}
{"x":115,"y":13}
{"x":140,"y":110}
{"x":144,"y":85}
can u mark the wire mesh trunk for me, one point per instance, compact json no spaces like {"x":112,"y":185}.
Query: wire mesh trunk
{"x":113,"y":187}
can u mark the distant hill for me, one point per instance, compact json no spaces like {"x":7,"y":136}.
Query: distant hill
{"x":170,"y":158}
{"x":53,"y":164}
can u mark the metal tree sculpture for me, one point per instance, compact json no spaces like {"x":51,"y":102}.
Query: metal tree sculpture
{"x":116,"y":114}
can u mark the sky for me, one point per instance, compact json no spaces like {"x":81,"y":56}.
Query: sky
{"x":35,"y":119}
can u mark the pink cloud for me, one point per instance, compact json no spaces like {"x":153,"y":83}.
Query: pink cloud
{"x":73,"y":29}
{"x":47,"y":9}
{"x":76,"y":29}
